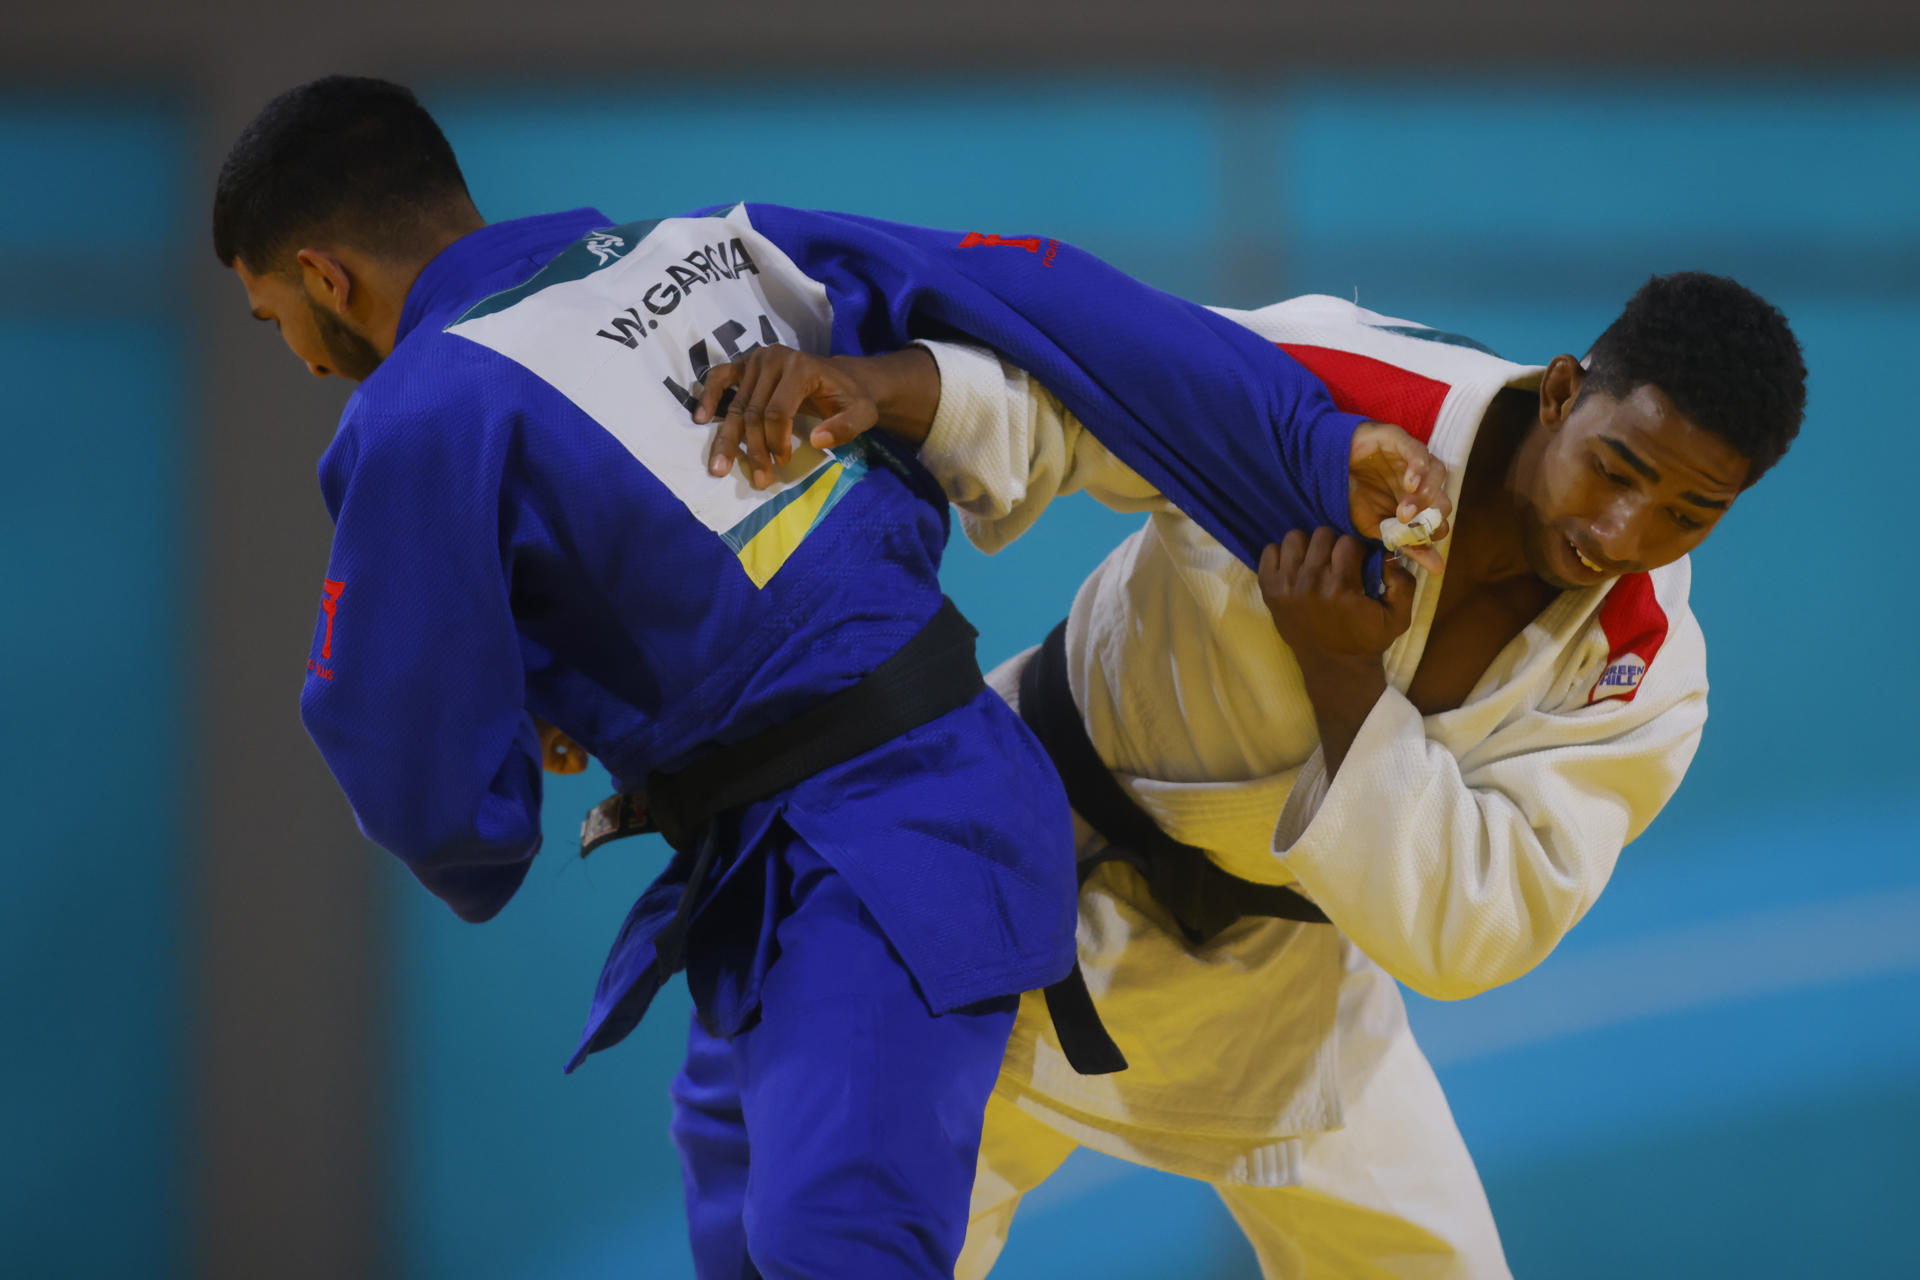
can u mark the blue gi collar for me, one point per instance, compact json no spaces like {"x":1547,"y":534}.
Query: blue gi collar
{"x":464,"y":271}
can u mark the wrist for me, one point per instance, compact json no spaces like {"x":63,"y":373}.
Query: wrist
{"x":905,"y":386}
{"x":1340,"y":706}
{"x":1344,"y":688}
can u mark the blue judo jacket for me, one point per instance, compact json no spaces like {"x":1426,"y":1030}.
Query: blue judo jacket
{"x":525,"y":527}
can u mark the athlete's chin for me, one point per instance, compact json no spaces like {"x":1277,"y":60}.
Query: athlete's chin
{"x":359,"y":370}
{"x":1549,"y":568}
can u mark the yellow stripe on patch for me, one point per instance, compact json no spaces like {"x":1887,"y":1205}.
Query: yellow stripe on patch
{"x":768,"y":549}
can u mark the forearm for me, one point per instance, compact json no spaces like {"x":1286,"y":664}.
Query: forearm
{"x":1003,"y":448}
{"x":905,"y":387}
{"x":1343,"y":693}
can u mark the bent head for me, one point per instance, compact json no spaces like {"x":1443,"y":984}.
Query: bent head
{"x":328,"y":206}
{"x":1684,"y":402}
{"x":323,"y":336}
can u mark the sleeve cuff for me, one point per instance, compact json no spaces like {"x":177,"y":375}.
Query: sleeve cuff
{"x":1316,"y":823}
{"x":1336,"y":499}
{"x":973,"y":396}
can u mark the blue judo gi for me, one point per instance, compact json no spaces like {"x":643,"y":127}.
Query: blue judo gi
{"x":525,"y":527}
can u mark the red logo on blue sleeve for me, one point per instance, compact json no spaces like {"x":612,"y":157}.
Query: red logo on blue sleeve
{"x":974,"y":240}
{"x":330,"y":600}
{"x":329,"y":605}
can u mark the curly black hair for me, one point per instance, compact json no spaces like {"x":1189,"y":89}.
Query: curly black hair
{"x":1723,"y":354}
{"x":349,"y":157}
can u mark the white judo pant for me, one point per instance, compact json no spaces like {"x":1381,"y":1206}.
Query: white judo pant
{"x":1392,"y":1194}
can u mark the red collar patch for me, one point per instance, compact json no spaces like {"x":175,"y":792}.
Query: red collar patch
{"x":1636,"y":627}
{"x":1382,"y":392}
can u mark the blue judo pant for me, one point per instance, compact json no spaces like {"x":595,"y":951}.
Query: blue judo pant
{"x":835,"y":1135}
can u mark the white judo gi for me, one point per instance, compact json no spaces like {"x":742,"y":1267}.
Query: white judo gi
{"x":1451,"y":852}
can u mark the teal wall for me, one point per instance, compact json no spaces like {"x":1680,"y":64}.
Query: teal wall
{"x":93,"y":686}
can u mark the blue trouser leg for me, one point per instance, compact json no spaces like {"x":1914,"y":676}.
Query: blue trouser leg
{"x":711,"y":1135}
{"x":836,"y":1136}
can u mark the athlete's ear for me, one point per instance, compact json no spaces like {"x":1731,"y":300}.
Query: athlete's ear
{"x":1559,"y":388}
{"x":327,"y":280}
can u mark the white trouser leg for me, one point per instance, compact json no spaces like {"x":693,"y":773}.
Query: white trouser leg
{"x":1394,"y":1194}
{"x":1017,"y":1154}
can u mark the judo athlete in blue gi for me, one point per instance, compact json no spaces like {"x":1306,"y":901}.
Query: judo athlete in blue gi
{"x":873,"y":858}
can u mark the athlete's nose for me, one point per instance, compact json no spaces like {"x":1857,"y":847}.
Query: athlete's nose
{"x":1616,"y":532}
{"x":317,"y":370}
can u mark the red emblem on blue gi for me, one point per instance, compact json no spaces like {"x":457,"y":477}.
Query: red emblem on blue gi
{"x":329,"y":601}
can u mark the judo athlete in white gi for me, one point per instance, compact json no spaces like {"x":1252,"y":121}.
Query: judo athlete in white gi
{"x":1448,"y":771}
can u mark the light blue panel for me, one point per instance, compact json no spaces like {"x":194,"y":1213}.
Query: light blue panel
{"x":508,"y":1169}
{"x":91,"y":1085}
{"x":1017,"y":596}
{"x":1123,"y":170}
{"x":1799,"y":1191}
{"x":1602,"y":162}
{"x":92,"y":1082}
{"x":1809,"y":630}
{"x":1730,"y":1027}
{"x":1705,"y":916}
{"x":89,"y":177}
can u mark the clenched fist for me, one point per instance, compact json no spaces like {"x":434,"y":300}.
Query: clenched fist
{"x":1389,"y":473}
{"x":1317,"y":597}
{"x":1319,"y":603}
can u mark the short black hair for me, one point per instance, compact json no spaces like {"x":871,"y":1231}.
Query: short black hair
{"x":355,"y":158}
{"x":1723,"y":354}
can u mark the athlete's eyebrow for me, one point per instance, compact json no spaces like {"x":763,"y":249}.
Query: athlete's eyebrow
{"x":1718,"y":504}
{"x":260,"y":316}
{"x":1632,"y":459}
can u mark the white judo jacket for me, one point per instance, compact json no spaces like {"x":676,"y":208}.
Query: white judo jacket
{"x":1453,"y":851}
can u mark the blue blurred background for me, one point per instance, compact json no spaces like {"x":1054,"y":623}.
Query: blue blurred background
{"x":1718,"y":1073}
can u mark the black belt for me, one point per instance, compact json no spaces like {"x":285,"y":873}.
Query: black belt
{"x":1201,"y":898}
{"x":932,"y":674}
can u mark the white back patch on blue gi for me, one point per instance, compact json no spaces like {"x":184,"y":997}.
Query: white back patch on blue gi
{"x":626,"y":322}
